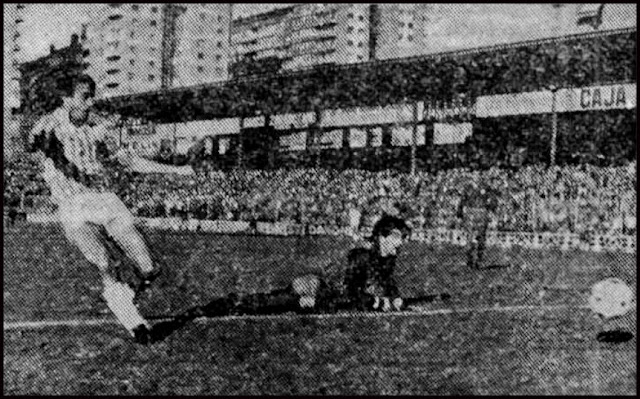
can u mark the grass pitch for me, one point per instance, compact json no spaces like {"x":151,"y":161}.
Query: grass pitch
{"x":541,"y":350}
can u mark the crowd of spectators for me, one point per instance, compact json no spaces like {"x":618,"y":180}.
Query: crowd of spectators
{"x":22,"y":182}
{"x":581,"y":199}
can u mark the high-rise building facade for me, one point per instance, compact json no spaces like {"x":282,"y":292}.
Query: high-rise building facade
{"x":439,"y":27}
{"x":304,"y":35}
{"x":201,"y":44}
{"x":259,"y":37}
{"x":13,"y":21}
{"x":125,"y":48}
{"x":398,"y":29}
{"x":326,"y":33}
{"x":135,"y":48}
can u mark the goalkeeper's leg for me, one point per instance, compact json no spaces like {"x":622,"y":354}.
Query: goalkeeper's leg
{"x":118,"y":296}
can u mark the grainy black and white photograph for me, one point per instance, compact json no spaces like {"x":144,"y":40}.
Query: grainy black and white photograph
{"x":319,"y":199}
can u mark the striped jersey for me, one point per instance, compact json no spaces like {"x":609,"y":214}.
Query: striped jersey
{"x":71,"y":164}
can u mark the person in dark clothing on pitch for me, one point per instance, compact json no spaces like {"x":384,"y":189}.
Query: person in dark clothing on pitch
{"x":477,"y":207}
{"x":369,"y":279}
{"x":369,"y":284}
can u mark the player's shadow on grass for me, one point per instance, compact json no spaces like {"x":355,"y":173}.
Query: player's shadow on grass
{"x":163,"y":329}
{"x":215,"y":308}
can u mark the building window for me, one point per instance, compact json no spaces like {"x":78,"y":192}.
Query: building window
{"x":152,"y":64}
{"x":200,"y":69}
{"x":218,"y":57}
{"x":132,"y":62}
{"x":361,"y":17}
{"x":112,"y":85}
{"x":130,"y":75}
{"x":151,"y":78}
{"x":360,"y":44}
{"x":349,"y":43}
{"x":410,"y":25}
{"x":153,"y":23}
{"x":350,"y":29}
{"x":219,"y":18}
{"x":360,"y":58}
{"x":154,"y":9}
{"x":135,"y":7}
{"x":200,"y":56}
{"x":132,"y":34}
{"x":219,"y":44}
{"x":350,"y":15}
{"x":410,"y":38}
{"x":220,"y":31}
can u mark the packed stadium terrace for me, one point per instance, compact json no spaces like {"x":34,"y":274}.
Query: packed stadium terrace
{"x":580,"y":199}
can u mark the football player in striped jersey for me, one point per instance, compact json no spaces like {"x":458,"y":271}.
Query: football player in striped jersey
{"x":72,"y":153}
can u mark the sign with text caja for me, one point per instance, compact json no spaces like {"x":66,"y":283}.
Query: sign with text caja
{"x":617,"y":96}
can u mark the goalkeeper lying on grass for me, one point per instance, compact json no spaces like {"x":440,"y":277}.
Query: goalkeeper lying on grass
{"x":369,"y":284}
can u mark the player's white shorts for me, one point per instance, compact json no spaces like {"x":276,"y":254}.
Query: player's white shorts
{"x":97,"y":208}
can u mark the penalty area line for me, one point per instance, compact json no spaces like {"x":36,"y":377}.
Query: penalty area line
{"x":417,"y":311}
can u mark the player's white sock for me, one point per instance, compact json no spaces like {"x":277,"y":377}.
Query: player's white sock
{"x":376,"y":302}
{"x":119,"y":299}
{"x":397,"y":303}
{"x":386,"y":304}
{"x":307,"y":302}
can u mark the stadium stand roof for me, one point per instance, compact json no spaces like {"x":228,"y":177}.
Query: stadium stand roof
{"x":325,"y":86}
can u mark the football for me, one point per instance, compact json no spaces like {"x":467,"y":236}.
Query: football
{"x":611,"y":297}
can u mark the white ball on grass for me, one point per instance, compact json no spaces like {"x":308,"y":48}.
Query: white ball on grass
{"x":611,"y":297}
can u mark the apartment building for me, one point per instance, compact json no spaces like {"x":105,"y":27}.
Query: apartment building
{"x":202,"y":44}
{"x":125,"y":48}
{"x":458,"y":26}
{"x":136,"y":48}
{"x":12,"y":20}
{"x":305,"y":35}
{"x":260,"y":36}
{"x":398,"y":29}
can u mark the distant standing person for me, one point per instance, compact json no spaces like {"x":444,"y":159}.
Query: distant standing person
{"x":477,"y":207}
